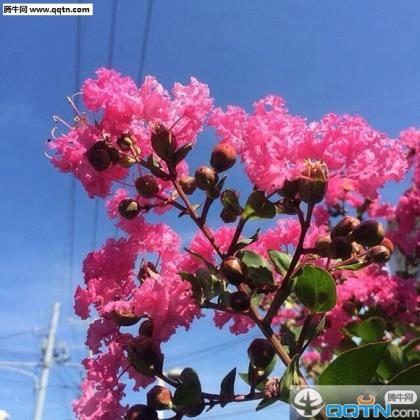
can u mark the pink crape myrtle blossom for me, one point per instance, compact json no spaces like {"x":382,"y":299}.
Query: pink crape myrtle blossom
{"x":370,"y":288}
{"x":125,"y":108}
{"x":273,"y":144}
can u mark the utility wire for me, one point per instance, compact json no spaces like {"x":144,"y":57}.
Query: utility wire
{"x":146,"y":34}
{"x":110,"y":60}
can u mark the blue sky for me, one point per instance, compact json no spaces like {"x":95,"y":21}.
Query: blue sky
{"x":354,"y":56}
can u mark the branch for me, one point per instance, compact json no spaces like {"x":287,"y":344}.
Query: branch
{"x":275,"y":305}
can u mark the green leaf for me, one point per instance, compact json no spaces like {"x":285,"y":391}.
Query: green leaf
{"x":291,"y":377}
{"x":316,"y":289}
{"x":313,"y":333}
{"x":355,"y":366}
{"x":244,"y":377}
{"x":392,"y":362}
{"x":280,"y":260}
{"x":353,"y":267}
{"x":188,"y":392}
{"x":230,"y":201}
{"x":156,"y":169}
{"x":258,"y":207}
{"x":258,"y":268}
{"x":265,"y":402}
{"x":408,"y":376}
{"x":227,"y":387}
{"x":371,"y":329}
{"x":196,"y":287}
{"x":410,"y":351}
{"x":210,"y":284}
{"x":182,"y":152}
{"x":247,"y":241}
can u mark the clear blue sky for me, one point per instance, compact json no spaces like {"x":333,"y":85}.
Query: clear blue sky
{"x":354,"y":56}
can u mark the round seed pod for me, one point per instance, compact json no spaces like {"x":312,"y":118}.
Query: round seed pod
{"x":323,"y":246}
{"x":379,"y":254}
{"x":368,"y":233}
{"x":223,"y":157}
{"x":188,"y":184}
{"x":239,"y":301}
{"x":344,"y":226}
{"x":234,"y":271}
{"x":341,"y":248}
{"x":205,"y":178}
{"x":129,"y":208}
{"x":147,"y":186}
{"x":260,"y":353}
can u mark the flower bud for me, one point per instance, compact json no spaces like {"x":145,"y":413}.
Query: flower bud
{"x":228,"y":216}
{"x":260,"y":353}
{"x":188,"y":184}
{"x":159,"y":398}
{"x":233,"y":270}
{"x":379,"y":254}
{"x":127,"y":161}
{"x":205,"y":177}
{"x":345,"y":226}
{"x":323,"y":245}
{"x":163,"y":142}
{"x":313,"y":182}
{"x":356,"y":248}
{"x":146,"y":328}
{"x":140,"y":412}
{"x":147,"y":269}
{"x":145,"y":356}
{"x":272,"y":388}
{"x":125,"y":141}
{"x":239,"y":301}
{"x":147,"y":186}
{"x":387,"y":243}
{"x":129,"y":208}
{"x":125,"y":318}
{"x":223,"y":157}
{"x":99,"y":157}
{"x":368,"y":233}
{"x":341,"y":248}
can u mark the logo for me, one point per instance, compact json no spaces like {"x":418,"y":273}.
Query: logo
{"x":308,"y":402}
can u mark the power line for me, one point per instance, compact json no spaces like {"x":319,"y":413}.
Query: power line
{"x":146,"y":34}
{"x":110,"y":60}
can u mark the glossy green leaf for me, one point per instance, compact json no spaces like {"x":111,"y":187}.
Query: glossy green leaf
{"x":227,"y":387}
{"x":355,"y":366}
{"x":371,"y":329}
{"x":258,"y":268}
{"x":280,"y":260}
{"x":258,"y":207}
{"x":244,"y":377}
{"x":313,"y":333}
{"x":188,"y":392}
{"x":409,"y":376}
{"x":392,"y":362}
{"x":246,"y":241}
{"x":265,"y":402}
{"x":291,"y":377}
{"x":316,"y":289}
{"x":353,"y":267}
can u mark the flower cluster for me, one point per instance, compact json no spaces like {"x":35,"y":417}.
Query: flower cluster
{"x":130,"y":148}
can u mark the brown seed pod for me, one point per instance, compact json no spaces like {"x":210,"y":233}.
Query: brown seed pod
{"x":341,"y":248}
{"x":239,"y":301}
{"x":205,"y":178}
{"x":234,"y":271}
{"x":140,"y":412}
{"x":145,"y":356}
{"x":388,"y":244}
{"x":260,"y":353}
{"x":129,"y":208}
{"x":368,"y":233}
{"x":223,"y":157}
{"x":379,"y":254}
{"x":188,"y":184}
{"x":147,"y":186}
{"x":159,"y":398}
{"x":98,"y":156}
{"x":344,"y":226}
{"x":146,"y":328}
{"x":125,"y":318}
{"x":164,"y":143}
{"x":323,"y":245}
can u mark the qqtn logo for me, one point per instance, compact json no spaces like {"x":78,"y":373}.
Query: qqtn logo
{"x":308,"y":402}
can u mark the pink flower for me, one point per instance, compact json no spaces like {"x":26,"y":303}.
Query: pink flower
{"x":241,"y":324}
